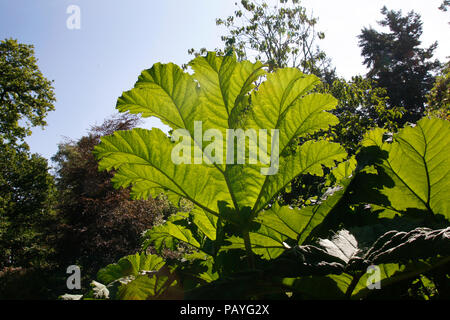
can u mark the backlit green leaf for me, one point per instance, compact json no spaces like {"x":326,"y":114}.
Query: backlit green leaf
{"x":418,"y":165}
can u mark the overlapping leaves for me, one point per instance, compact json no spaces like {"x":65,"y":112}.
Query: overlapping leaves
{"x":222,"y":94}
{"x":338,"y":268}
{"x":348,"y":268}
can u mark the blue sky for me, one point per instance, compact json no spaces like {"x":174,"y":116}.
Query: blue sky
{"x":118,"y":39}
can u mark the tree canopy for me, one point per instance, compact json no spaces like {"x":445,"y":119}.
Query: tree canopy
{"x":26,"y":96}
{"x":282,"y":35}
{"x":398,"y":63}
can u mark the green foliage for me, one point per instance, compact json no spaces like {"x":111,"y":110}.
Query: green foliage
{"x":27,"y":191}
{"x":243,"y":243}
{"x":438,"y":100}
{"x":131,"y":265}
{"x":282,"y":227}
{"x":170,"y":233}
{"x":134,"y":277}
{"x":146,"y":288}
{"x":26,"y":199}
{"x":362,"y":106}
{"x":25,"y":95}
{"x":26,"y":187}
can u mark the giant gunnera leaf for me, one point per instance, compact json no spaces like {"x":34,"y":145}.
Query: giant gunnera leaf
{"x":417,"y":163}
{"x":229,"y":139}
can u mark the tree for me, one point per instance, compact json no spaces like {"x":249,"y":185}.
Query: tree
{"x":26,"y":187}
{"x":26,"y":199}
{"x":98,"y":224}
{"x":26,"y":96}
{"x":280,"y":36}
{"x":398,"y":64}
